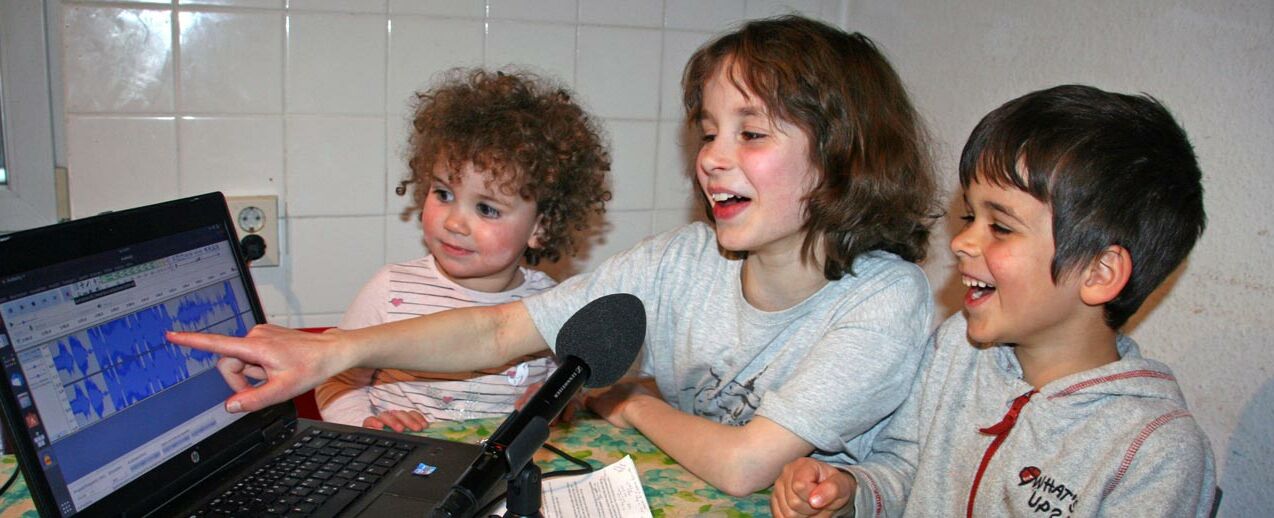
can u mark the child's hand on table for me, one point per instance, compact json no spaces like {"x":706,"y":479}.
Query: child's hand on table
{"x":609,"y":403}
{"x":397,"y":420}
{"x":811,"y":488}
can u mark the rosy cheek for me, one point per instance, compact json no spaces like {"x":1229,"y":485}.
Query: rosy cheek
{"x":431,"y":221}
{"x":502,"y":236}
{"x":996,"y":259}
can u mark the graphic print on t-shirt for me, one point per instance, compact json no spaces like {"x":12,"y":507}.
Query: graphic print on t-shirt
{"x":726,"y":402}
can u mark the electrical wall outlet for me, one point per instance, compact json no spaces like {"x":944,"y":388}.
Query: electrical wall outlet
{"x":257,"y":216}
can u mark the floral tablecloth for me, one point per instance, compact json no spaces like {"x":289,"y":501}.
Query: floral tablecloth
{"x":670,"y":489}
{"x":17,"y":500}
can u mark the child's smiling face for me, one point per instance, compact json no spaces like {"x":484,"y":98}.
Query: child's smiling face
{"x":1004,"y":255}
{"x":475,"y":231}
{"x":755,"y":171}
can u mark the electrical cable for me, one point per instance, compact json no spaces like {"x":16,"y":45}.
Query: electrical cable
{"x":5,"y":488}
{"x":585,"y":468}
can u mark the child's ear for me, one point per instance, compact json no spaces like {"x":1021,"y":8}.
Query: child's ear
{"x":534,"y":241}
{"x":1106,"y":276}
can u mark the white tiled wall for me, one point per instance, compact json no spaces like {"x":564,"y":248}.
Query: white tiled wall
{"x":307,"y":100}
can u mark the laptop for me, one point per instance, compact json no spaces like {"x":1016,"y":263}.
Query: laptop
{"x":109,"y":419}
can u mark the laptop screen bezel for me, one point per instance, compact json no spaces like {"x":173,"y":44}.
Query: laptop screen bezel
{"x":32,"y":249}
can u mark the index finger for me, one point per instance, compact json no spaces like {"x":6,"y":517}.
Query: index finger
{"x":213,"y":343}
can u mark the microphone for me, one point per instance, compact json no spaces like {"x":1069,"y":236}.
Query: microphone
{"x":595,"y":347}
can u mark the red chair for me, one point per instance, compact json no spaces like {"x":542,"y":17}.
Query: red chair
{"x":306,"y":406}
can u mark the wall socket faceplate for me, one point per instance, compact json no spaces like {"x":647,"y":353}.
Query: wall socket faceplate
{"x":258,"y":215}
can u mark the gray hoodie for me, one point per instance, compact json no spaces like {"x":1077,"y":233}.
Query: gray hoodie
{"x":1112,"y":441}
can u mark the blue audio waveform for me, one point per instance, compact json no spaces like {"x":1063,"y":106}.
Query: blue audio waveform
{"x":128,"y":360}
{"x":67,"y":360}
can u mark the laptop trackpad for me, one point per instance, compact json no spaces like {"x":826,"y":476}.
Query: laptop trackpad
{"x":398,"y":506}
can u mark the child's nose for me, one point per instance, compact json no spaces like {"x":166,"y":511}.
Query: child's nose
{"x":455,"y":222}
{"x":963,"y":243}
{"x":714,"y":156}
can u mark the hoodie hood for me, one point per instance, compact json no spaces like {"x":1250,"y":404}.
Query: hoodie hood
{"x":1131,"y":376}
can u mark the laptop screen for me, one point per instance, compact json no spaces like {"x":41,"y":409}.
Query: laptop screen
{"x":103,"y":396}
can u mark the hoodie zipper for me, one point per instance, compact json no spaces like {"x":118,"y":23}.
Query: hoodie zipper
{"x":1001,"y":432}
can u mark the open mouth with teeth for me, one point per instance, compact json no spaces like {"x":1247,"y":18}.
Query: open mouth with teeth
{"x":977,"y":288}
{"x":725,"y":198}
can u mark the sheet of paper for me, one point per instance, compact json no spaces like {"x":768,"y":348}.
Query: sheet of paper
{"x":611,"y":492}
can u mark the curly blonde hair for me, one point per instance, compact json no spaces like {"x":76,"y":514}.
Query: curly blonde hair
{"x":528,"y":135}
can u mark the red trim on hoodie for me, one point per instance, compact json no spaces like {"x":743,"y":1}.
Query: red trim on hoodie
{"x":1136,"y":445}
{"x":1001,"y":432}
{"x":877,"y":498}
{"x":1113,"y":377}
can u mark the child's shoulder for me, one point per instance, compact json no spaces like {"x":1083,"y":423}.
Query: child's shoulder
{"x":953,"y":330}
{"x":423,"y":263}
{"x":1150,"y":431}
{"x":1136,"y":401}
{"x":420,"y":267}
{"x":692,"y":239}
{"x":535,"y":280}
{"x":889,"y":268}
{"x":887,"y":284}
{"x":695,"y":233}
{"x":1142,"y":393}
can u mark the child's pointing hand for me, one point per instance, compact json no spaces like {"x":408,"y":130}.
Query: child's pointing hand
{"x":289,"y":361}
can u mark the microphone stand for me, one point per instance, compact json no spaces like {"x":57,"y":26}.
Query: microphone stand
{"x":607,"y":332}
{"x":523,"y":500}
{"x":523,"y":497}
{"x":517,"y":457}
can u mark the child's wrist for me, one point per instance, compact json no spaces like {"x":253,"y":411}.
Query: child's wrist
{"x":848,"y":511}
{"x":635,"y":406}
{"x":346,"y":350}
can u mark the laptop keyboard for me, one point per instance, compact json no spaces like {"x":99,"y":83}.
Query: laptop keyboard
{"x":319,"y":475}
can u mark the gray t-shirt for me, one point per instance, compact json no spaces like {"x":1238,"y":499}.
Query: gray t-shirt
{"x":830,"y":369}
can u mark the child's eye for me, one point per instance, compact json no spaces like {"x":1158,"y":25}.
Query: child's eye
{"x":443,"y":195}
{"x":967,"y":218}
{"x":1000,"y":229}
{"x":488,"y":211}
{"x":707,"y":137}
{"x":752,"y":135}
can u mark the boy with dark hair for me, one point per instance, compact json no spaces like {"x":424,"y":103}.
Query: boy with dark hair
{"x":1078,"y":202}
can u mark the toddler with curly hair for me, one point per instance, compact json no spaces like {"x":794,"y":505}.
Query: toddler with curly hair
{"x":506,"y":167}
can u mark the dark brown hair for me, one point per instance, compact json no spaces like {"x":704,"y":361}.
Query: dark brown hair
{"x":1115,"y":169}
{"x":876,"y":189}
{"x":528,"y":135}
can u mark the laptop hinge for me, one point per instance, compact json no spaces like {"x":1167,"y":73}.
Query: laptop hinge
{"x":279,"y":430}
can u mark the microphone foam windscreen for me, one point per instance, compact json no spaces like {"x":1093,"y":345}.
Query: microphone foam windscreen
{"x":606,"y":334}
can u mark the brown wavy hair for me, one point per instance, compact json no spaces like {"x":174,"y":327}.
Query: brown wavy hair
{"x":876,"y":189}
{"x":529,"y":136}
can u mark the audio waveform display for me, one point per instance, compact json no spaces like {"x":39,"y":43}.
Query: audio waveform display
{"x":111,"y":366}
